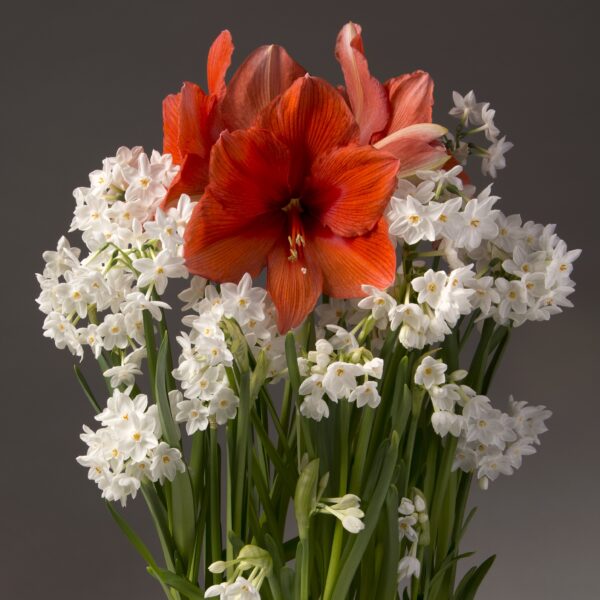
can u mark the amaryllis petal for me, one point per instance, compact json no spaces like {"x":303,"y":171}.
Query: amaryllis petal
{"x":350,"y":187}
{"x":311,"y":118}
{"x":194,"y":115}
{"x":367,"y":96}
{"x":294,"y":286}
{"x":191,"y":180}
{"x":186,"y":123}
{"x":265,"y":74}
{"x":348,"y":263}
{"x":249,"y":172}
{"x":411,"y":100}
{"x":416,"y":147}
{"x":222,"y":245}
{"x":171,"y":107}
{"x":219,"y":59}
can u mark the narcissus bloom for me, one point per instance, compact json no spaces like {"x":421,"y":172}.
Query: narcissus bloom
{"x":297,"y":194}
{"x":193,"y":120}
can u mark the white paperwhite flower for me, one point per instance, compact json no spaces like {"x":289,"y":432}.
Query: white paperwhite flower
{"x":156,"y":271}
{"x":442,"y":177}
{"x":374,"y":368}
{"x":444,"y":422}
{"x":430,"y":372}
{"x":342,"y":339}
{"x":314,"y":407}
{"x":405,"y":528}
{"x":346,"y":509}
{"x":138,"y":436}
{"x":409,"y":566}
{"x":223,"y":405}
{"x":113,"y":332}
{"x":413,"y":221}
{"x":485,"y":294}
{"x":491,"y":466}
{"x":513,"y":297}
{"x":479,"y":221}
{"x":240,"y":589}
{"x":378,"y":302}
{"x":124,"y":374}
{"x":192,"y":295}
{"x":466,"y":108}
{"x":194,"y":414}
{"x":340,"y":379}
{"x":243,"y":302}
{"x":366,"y":393}
{"x":164,"y":228}
{"x":136,"y":301}
{"x":430,"y":287}
{"x":487,"y":123}
{"x":493,"y":160}
{"x":166,"y":463}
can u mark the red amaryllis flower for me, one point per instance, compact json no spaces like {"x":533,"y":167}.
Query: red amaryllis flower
{"x":297,"y":194}
{"x":395,"y":116}
{"x":193,"y":120}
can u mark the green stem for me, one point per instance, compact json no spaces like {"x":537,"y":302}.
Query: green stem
{"x":338,"y":536}
{"x":215,"y":506}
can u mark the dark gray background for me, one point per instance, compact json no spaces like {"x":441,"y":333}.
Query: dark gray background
{"x":81,"y":78}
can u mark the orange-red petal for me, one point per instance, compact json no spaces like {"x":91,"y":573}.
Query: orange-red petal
{"x":349,"y":263}
{"x":219,"y":59}
{"x":249,"y":172}
{"x":194,"y":121}
{"x":416,"y":147}
{"x":222,"y":245}
{"x":170,"y":107}
{"x":294,"y":286}
{"x":266,"y":73}
{"x":191,"y":180}
{"x":367,"y":96}
{"x":411,"y":100}
{"x":310,"y":118}
{"x":350,"y":187}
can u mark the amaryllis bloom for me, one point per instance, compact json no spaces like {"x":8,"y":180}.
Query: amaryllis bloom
{"x":193,"y":120}
{"x":297,"y":194}
{"x":395,"y":116}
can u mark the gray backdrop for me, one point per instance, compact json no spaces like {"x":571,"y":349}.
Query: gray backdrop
{"x":81,"y":78}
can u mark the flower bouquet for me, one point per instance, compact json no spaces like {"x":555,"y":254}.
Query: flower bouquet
{"x":316,"y":436}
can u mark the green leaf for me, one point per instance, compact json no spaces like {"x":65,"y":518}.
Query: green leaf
{"x":181,"y":584}
{"x":351,"y":558}
{"x":305,"y":496}
{"x":183,"y":515}
{"x":388,"y":584}
{"x":292,"y":361}
{"x":472,"y":580}
{"x":86,"y":388}
{"x":132,"y":536}
{"x":259,"y":374}
{"x":170,"y":430}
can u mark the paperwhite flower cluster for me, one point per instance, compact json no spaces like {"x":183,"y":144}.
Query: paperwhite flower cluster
{"x":130,"y":257}
{"x":250,"y":558}
{"x":340,"y":369}
{"x":205,"y":353}
{"x":127,"y":448}
{"x":491,"y":442}
{"x":439,"y":208}
{"x":530,"y":270}
{"x":481,"y":117}
{"x":413,"y":524}
{"x":240,"y":589}
{"x":511,"y":271}
{"x":346,"y":509}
